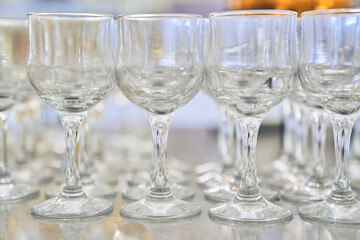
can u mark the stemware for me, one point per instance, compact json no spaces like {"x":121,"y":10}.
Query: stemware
{"x":14,"y":88}
{"x":251,"y":69}
{"x":317,"y":186}
{"x":329,"y":73}
{"x":71,"y":68}
{"x":91,"y":186}
{"x":160,"y":69}
{"x":29,"y":168}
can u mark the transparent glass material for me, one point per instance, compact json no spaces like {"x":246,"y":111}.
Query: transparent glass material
{"x":226,"y":140}
{"x":160,"y":69}
{"x":251,"y":69}
{"x":71,"y":68}
{"x":29,"y":168}
{"x":227,"y":190}
{"x":14,"y":88}
{"x":90,"y":186}
{"x":328,"y":70}
{"x":317,"y":186}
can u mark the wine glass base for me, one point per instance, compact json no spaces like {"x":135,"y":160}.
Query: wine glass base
{"x":305,"y":194}
{"x":139,"y":177}
{"x":160,"y":209}
{"x":72,"y":207}
{"x":332,"y":212}
{"x":227,"y":192}
{"x":93,"y":189}
{"x":32,"y":176}
{"x":286,"y":180}
{"x":140,"y":191}
{"x":213,"y":179}
{"x":207,"y":167}
{"x":260,"y":210}
{"x":13,"y":191}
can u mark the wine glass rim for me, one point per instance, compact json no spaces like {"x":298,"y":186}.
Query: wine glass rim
{"x":257,"y":12}
{"x":335,"y":11}
{"x":158,"y":16}
{"x":68,"y":15}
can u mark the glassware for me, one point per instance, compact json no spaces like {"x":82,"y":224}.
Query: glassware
{"x":317,"y":186}
{"x":92,"y":187}
{"x":14,"y":88}
{"x":251,"y":69}
{"x":29,"y":169}
{"x":328,"y":70}
{"x":227,"y":191}
{"x":226,"y":152}
{"x":71,"y":68}
{"x":160,"y":69}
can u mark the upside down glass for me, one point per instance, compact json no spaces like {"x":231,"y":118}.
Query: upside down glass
{"x":160,"y":69}
{"x":251,"y":69}
{"x":329,"y":73}
{"x":71,"y":68}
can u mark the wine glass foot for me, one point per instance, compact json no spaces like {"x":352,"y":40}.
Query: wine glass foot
{"x":93,"y":189}
{"x":207,"y":167}
{"x":226,"y":193}
{"x":63,"y":207}
{"x":13,"y":191}
{"x":160,"y":209}
{"x":260,"y":210}
{"x":139,"y":192}
{"x":347,"y":212}
{"x":305,"y":194}
{"x":213,"y":179}
{"x":32,"y":176}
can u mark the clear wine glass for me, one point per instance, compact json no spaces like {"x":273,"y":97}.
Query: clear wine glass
{"x":71,"y":68}
{"x":329,"y":73}
{"x":29,"y":169}
{"x":318,"y":185}
{"x":160,"y":69}
{"x":14,"y":88}
{"x":251,"y":69}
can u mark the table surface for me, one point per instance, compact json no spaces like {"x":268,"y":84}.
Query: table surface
{"x":195,"y":146}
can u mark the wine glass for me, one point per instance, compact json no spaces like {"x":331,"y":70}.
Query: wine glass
{"x":71,"y":68}
{"x":160,"y":69}
{"x":14,"y":88}
{"x":317,"y":186}
{"x":251,"y":69}
{"x":329,"y":73}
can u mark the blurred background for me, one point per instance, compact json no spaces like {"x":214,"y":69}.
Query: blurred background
{"x":202,"y":111}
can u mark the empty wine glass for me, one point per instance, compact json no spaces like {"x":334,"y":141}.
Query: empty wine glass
{"x":14,"y":88}
{"x":160,"y":69}
{"x":71,"y":68}
{"x":329,"y":73}
{"x":251,"y":69}
{"x":317,"y":186}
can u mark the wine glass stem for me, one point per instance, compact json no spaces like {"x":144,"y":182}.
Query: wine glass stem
{"x":85,"y":170}
{"x":342,"y":125}
{"x":72,"y":122}
{"x":249,"y":188}
{"x":238,"y":163}
{"x":301,"y":135}
{"x":22,"y":158}
{"x":4,"y":170}
{"x":288,"y":116}
{"x":226,"y":136}
{"x":160,"y":127}
{"x":319,"y":128}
